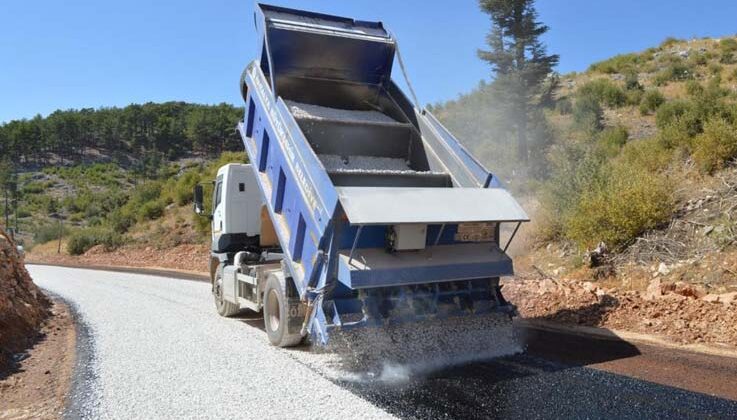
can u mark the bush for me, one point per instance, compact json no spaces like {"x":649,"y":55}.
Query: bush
{"x":605,"y":91}
{"x":674,"y":72}
{"x":698,"y":59}
{"x":716,"y":145}
{"x":648,"y":154}
{"x":651,"y":101}
{"x":727,"y":58}
{"x":675,"y":135}
{"x":617,"y":64}
{"x":120,"y":220}
{"x":33,"y":188}
{"x":715,"y":68}
{"x":669,"y":42}
{"x":694,"y":88}
{"x":46,"y":233}
{"x":610,"y":141}
{"x":564,"y":106}
{"x":587,"y":114}
{"x":728,"y":45}
{"x":682,"y":110}
{"x":81,"y":241}
{"x":151,"y":210}
{"x":183,"y":189}
{"x":634,"y":96}
{"x":733,"y":75}
{"x":632,"y":81}
{"x":628,"y":202}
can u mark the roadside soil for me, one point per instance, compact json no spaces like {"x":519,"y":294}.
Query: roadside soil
{"x":677,"y":312}
{"x":186,"y":257}
{"x":37,"y":386}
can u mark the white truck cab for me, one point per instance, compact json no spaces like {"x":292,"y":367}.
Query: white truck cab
{"x":245,"y":258}
{"x":236,"y":204}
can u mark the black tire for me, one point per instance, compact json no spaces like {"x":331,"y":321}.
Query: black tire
{"x":223,"y":307}
{"x":282,"y":324}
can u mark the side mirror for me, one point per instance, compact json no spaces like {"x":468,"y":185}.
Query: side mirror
{"x":199,"y":200}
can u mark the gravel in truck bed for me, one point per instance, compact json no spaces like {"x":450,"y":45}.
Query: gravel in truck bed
{"x":316,"y":112}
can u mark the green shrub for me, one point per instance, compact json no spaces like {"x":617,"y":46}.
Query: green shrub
{"x":648,"y":154}
{"x":610,"y":141}
{"x":651,"y":101}
{"x":626,"y":203}
{"x":715,"y":68}
{"x":634,"y":96}
{"x":617,"y":64}
{"x":564,"y":106}
{"x":146,"y":192}
{"x":632,"y":81}
{"x":728,"y":45}
{"x":151,"y":210}
{"x":727,"y":57}
{"x":121,"y":220}
{"x":732,"y":75}
{"x":675,"y":72}
{"x":698,"y":59}
{"x":694,"y":88}
{"x":574,"y":168}
{"x":49,"y":232}
{"x":669,"y":42}
{"x":682,"y":110}
{"x":716,"y":145}
{"x":675,"y":134}
{"x":183,"y":189}
{"x":588,"y":114}
{"x":81,"y":241}
{"x":33,"y":188}
{"x":605,"y":91}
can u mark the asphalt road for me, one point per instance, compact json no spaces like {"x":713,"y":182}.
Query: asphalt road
{"x":153,"y":347}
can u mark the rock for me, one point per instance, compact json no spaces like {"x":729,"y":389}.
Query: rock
{"x":707,"y":230}
{"x":589,"y":287}
{"x":728,"y":298}
{"x":663,"y":269}
{"x":689,"y":290}
{"x":547,"y":286}
{"x":654,"y":290}
{"x":711,"y":298}
{"x":596,"y":257}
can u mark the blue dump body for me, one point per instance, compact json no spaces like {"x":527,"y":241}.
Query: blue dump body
{"x":347,"y":164}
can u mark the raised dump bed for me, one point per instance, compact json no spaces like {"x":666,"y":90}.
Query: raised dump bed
{"x":378,"y":209}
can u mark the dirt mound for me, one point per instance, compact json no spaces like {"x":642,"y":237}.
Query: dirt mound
{"x":22,"y":305}
{"x":188,"y":257}
{"x":678,"y":311}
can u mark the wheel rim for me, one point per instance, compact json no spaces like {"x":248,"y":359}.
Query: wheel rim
{"x":272,"y":305}
{"x":218,"y":292}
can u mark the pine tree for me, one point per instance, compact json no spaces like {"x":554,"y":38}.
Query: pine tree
{"x":520,"y":63}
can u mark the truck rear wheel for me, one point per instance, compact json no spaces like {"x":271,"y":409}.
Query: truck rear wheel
{"x":281,"y":314}
{"x":223,"y":307}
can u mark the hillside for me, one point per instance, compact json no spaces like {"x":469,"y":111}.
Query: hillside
{"x":632,"y":192}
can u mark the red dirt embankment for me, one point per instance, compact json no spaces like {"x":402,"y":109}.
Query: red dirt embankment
{"x":22,"y":305}
{"x":185,"y":257}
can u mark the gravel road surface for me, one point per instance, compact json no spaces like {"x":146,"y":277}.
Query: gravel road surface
{"x":157,"y":349}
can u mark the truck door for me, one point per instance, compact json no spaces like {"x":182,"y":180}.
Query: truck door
{"x":218,"y":211}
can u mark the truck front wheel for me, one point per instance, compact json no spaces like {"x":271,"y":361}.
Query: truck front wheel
{"x":223,"y":307}
{"x":281,"y":313}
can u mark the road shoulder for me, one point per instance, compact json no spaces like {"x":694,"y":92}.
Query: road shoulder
{"x":38,"y":386}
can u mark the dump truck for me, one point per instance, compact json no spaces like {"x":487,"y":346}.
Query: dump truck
{"x":358,"y":207}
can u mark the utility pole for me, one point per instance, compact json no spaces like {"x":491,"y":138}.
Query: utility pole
{"x":7,"y":209}
{"x":61,"y":230}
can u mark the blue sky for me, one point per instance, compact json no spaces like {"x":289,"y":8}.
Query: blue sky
{"x":91,"y":53}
